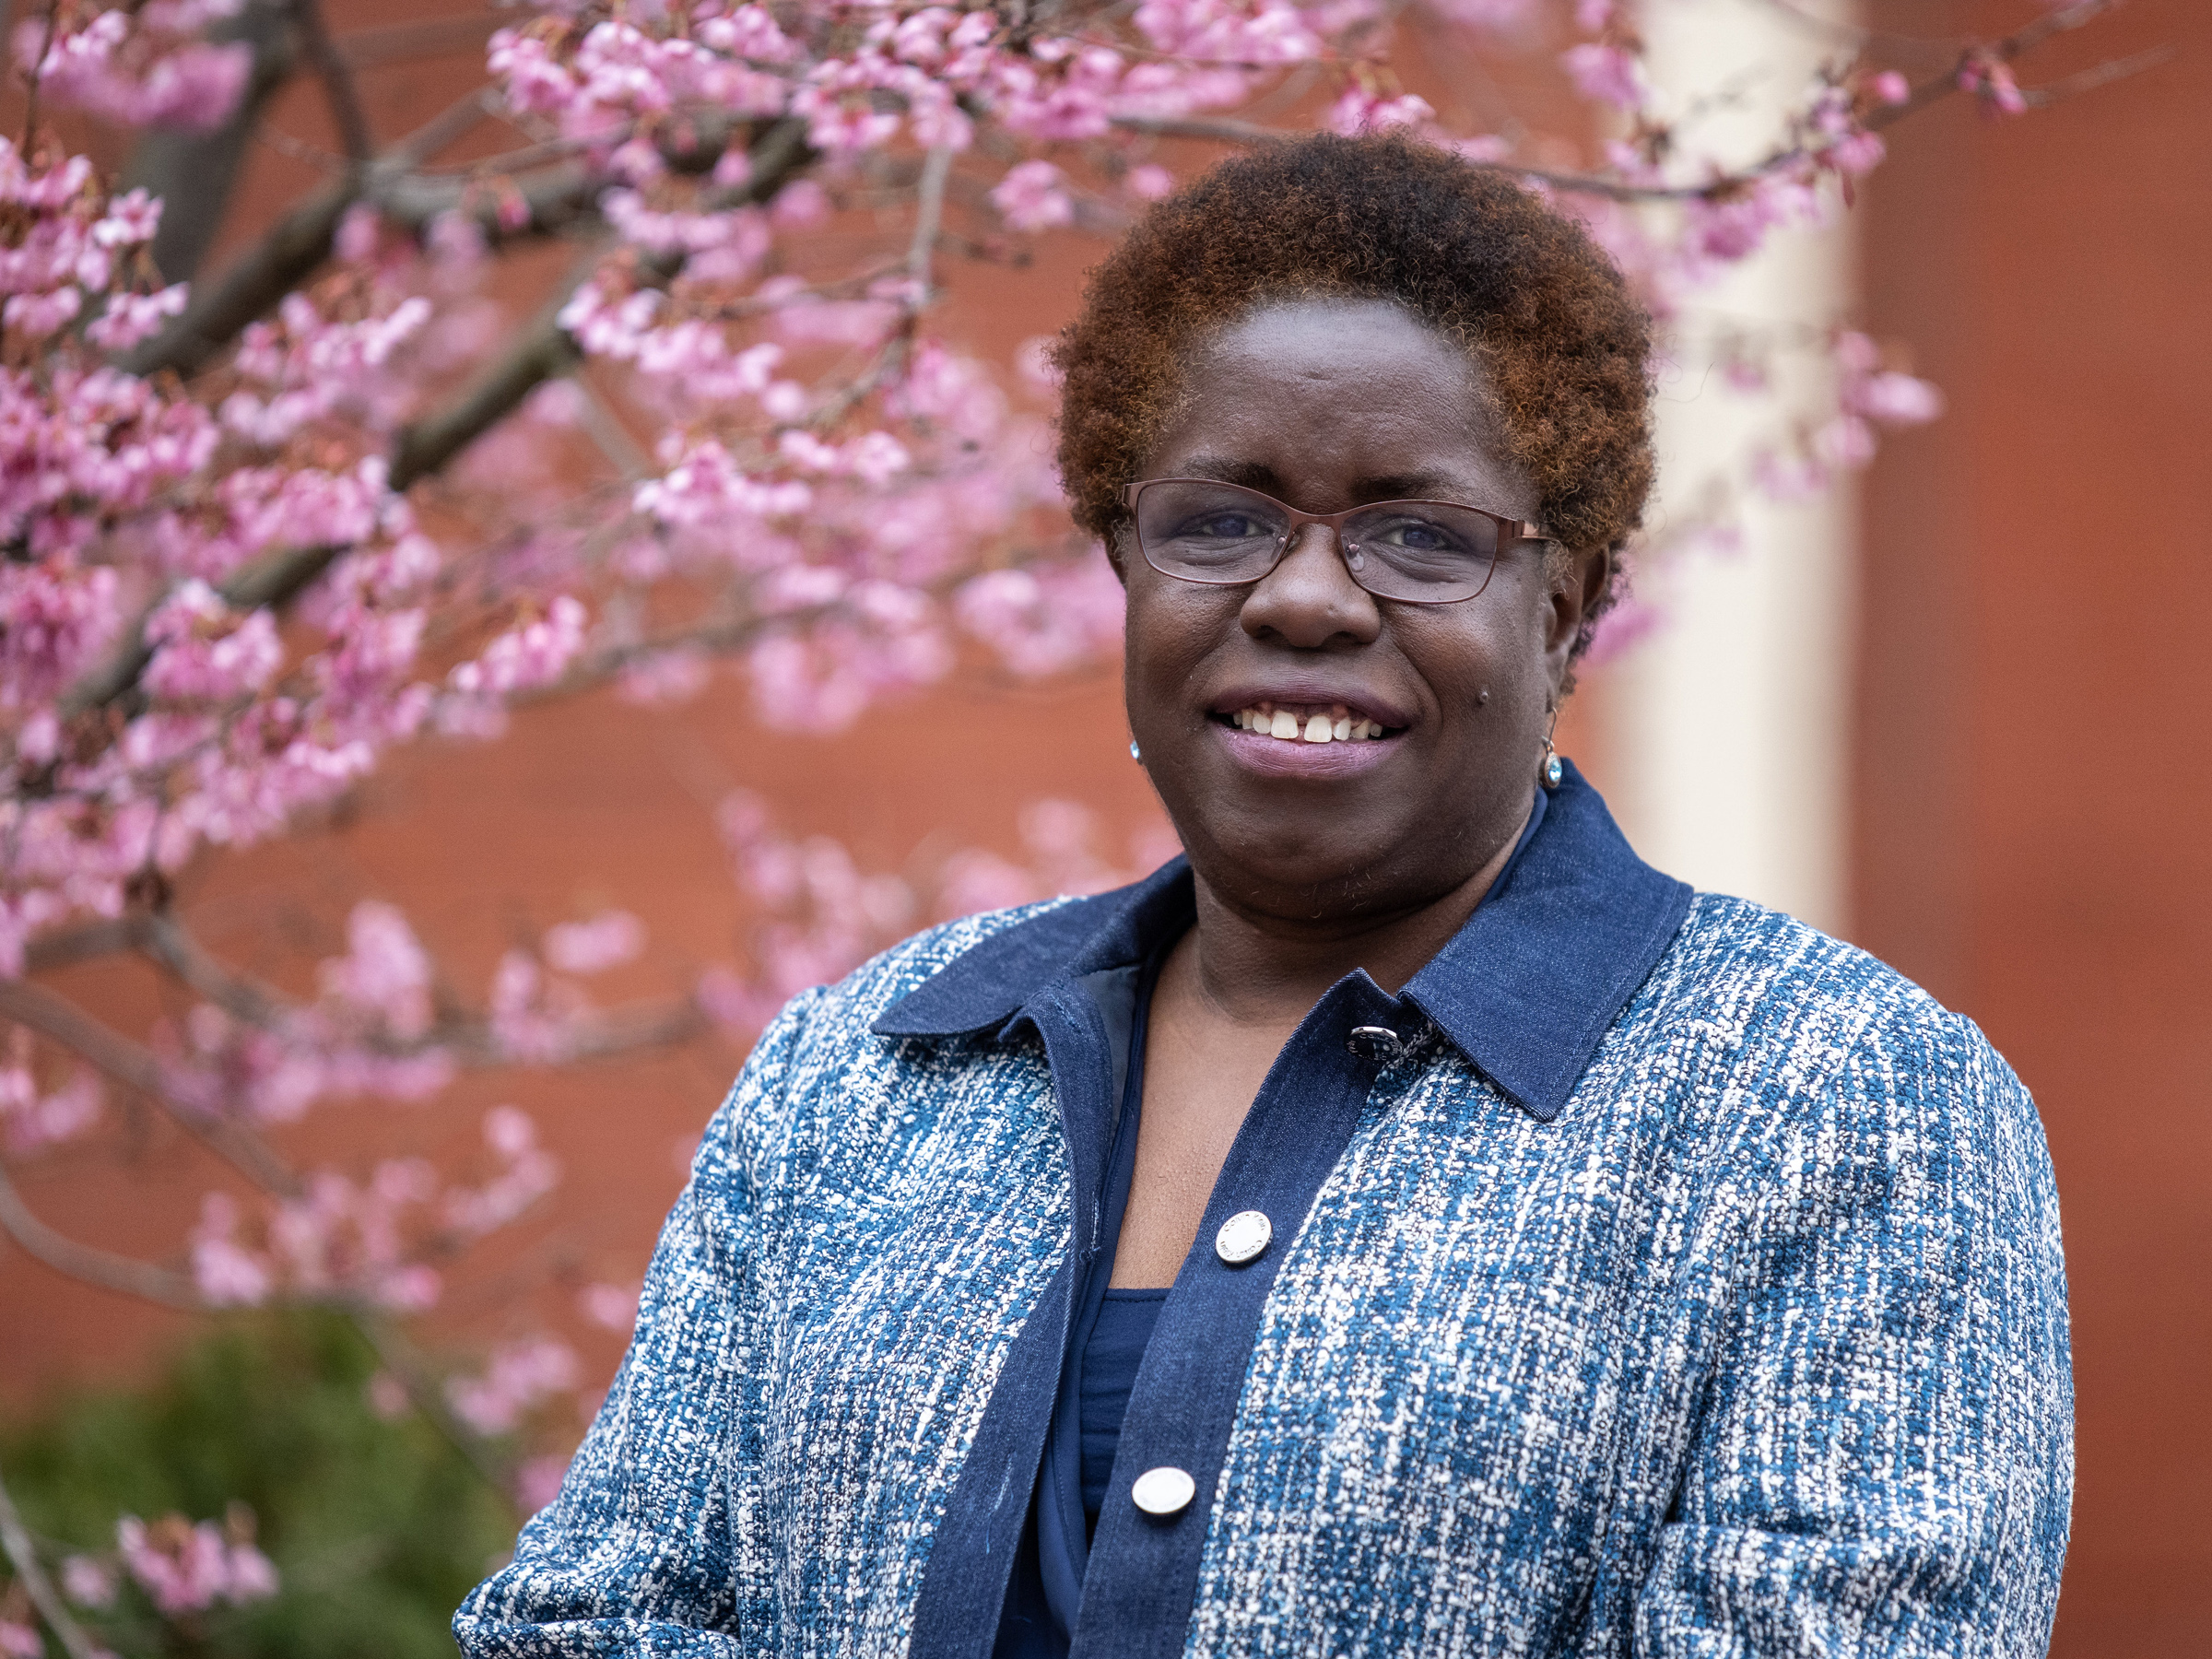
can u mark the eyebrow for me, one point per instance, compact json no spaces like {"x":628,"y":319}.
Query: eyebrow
{"x":1391,"y":487}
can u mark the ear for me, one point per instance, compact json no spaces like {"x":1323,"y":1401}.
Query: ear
{"x":1578,"y":583}
{"x":1117,"y":543}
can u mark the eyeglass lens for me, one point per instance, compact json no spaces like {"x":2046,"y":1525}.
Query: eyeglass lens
{"x":1223,"y":534}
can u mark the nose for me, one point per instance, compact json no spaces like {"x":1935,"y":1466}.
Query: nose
{"x":1309,"y":600}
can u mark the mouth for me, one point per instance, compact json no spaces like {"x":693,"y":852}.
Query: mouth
{"x":1313,"y":724}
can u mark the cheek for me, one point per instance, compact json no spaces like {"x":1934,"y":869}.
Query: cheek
{"x":1168,"y":627}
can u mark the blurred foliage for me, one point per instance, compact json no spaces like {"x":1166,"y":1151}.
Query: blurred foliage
{"x":377,"y":1526}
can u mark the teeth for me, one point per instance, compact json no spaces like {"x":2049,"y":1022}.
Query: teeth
{"x":1337,"y":725}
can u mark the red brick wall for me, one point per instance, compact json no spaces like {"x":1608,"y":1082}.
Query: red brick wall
{"x":2034,"y":777}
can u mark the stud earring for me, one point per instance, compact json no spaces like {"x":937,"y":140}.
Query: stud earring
{"x":1134,"y":754}
{"x":1551,"y":772}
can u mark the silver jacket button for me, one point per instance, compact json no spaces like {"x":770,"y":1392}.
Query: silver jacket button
{"x":1379,"y":1044}
{"x":1243,"y":1237}
{"x":1164,"y":1491}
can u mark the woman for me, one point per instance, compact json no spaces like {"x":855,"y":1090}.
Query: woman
{"x":1413,"y":1225}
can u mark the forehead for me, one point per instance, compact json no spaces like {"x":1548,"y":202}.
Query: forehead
{"x":1331,"y":393}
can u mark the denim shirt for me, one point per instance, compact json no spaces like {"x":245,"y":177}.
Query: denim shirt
{"x":1677,"y":1282}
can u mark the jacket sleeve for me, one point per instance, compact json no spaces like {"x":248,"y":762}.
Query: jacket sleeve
{"x":649,"y":1547}
{"x":1884,"y":1464}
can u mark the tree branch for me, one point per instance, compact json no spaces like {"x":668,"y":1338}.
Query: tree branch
{"x":2097,"y":75}
{"x":23,"y":1555}
{"x":162,"y":938}
{"x":337,"y":77}
{"x":285,"y":257}
{"x":136,"y":1066}
{"x":158,"y":1285}
{"x":929,"y":213}
{"x":544,"y":352}
{"x":195,"y":173}
{"x":405,"y":42}
{"x":101,"y":1267}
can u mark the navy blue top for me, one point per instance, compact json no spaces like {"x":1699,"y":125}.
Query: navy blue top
{"x":1108,"y":1339}
{"x":1116,"y":1349}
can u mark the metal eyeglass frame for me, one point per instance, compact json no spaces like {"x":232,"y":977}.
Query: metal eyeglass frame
{"x":1510,"y":531}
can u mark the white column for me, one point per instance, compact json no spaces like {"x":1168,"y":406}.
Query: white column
{"x":1726,"y":732}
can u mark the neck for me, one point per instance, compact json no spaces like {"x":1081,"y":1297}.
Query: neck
{"x":1258,"y":967}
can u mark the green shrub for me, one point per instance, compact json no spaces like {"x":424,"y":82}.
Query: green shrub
{"x":377,"y":1527}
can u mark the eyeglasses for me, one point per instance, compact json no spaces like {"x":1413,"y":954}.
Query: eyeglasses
{"x":1223,"y":535}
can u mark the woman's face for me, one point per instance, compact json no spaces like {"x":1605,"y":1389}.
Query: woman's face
{"x":1328,"y":405}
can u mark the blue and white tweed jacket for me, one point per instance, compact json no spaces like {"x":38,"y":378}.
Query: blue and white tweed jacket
{"x":1688,"y":1284}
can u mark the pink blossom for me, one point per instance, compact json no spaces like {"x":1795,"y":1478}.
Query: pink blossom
{"x":1734,"y":224}
{"x":538,"y":1481}
{"x":1360,"y":110}
{"x":1891,"y":87}
{"x":1846,"y":443}
{"x":1031,"y":197}
{"x":187,"y":1568}
{"x":33,"y":1119}
{"x":20,"y":1640}
{"x":1148,"y":183}
{"x":532,"y":655}
{"x":1265,"y":31}
{"x":131,"y":318}
{"x":520,"y":1377}
{"x":88,"y":1583}
{"x":227,"y":1273}
{"x":1992,"y":80}
{"x":611,"y":1307}
{"x":607,"y":940}
{"x":153,"y":76}
{"x":527,"y":1173}
{"x":1896,"y":399}
{"x":204,"y":652}
{"x":1622,"y":629}
{"x":1604,"y":75}
{"x":385,"y":973}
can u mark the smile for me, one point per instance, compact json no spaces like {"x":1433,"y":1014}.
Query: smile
{"x":1305,"y":723}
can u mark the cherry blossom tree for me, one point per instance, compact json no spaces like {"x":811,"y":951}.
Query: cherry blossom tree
{"x":264,"y":527}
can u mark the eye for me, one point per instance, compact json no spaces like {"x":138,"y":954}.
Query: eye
{"x":1227,"y":527}
{"x":1411,"y":532}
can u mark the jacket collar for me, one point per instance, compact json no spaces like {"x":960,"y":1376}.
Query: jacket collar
{"x":1524,"y":990}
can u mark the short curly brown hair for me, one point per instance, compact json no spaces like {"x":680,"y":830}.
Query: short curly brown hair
{"x":1562,"y":342}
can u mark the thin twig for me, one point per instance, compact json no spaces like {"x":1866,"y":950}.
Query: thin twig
{"x":1932,"y":91}
{"x":2096,"y":75}
{"x":136,"y":1066}
{"x":24,"y":1557}
{"x":38,"y":73}
{"x":174,"y":947}
{"x":94,"y":1267}
{"x":400,"y":43}
{"x":405,"y":1361}
{"x":283,"y":257}
{"x":605,"y":429}
{"x":929,"y":211}
{"x":337,"y":77}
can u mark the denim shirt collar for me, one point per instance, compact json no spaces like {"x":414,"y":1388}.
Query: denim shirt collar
{"x":1524,"y":990}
